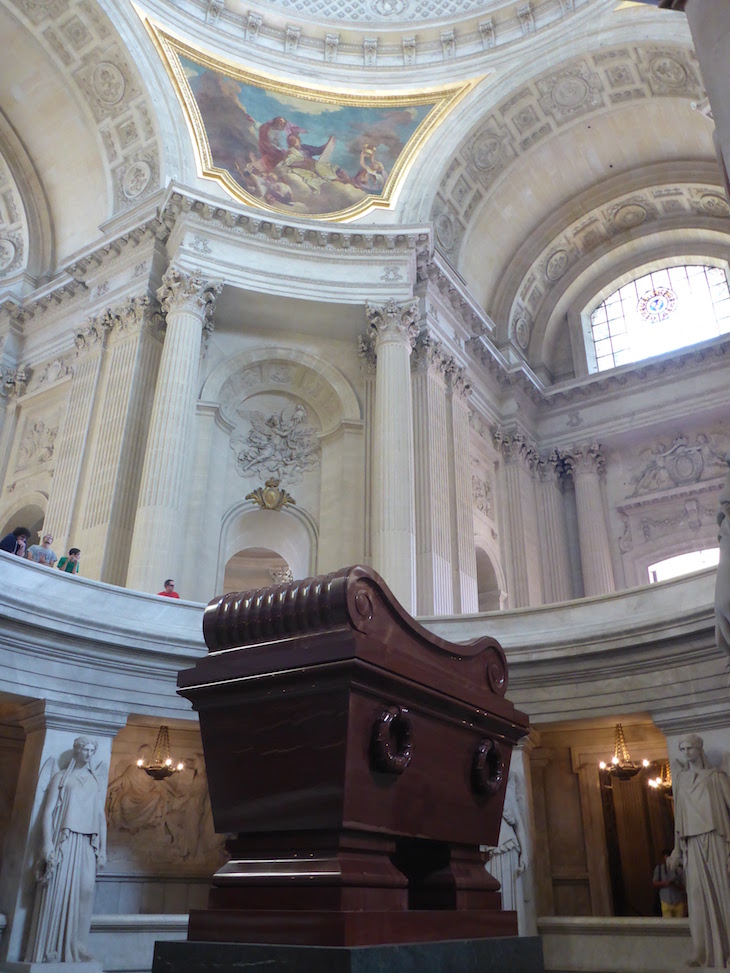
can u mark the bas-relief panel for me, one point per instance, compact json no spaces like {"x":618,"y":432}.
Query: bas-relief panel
{"x":295,"y":150}
{"x":161,"y":827}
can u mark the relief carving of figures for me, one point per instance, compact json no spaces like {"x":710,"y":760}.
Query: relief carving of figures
{"x":679,"y":465}
{"x":73,"y":836}
{"x":483,"y":495}
{"x":162,"y":821}
{"x":281,"y":445}
{"x":722,"y":583}
{"x":36,"y":447}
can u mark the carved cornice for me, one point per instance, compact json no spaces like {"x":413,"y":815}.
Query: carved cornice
{"x":304,"y":236}
{"x":473,"y":317}
{"x":584,"y":458}
{"x":188,"y":292}
{"x":416,"y":34}
{"x":394,"y":321}
{"x":123,"y":245}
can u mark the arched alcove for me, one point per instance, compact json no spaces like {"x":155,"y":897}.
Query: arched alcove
{"x":254,"y":567}
{"x":488,"y":586}
{"x":279,"y":533}
{"x":30,"y":515}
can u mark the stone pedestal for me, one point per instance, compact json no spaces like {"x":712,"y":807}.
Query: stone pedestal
{"x":522,"y":955}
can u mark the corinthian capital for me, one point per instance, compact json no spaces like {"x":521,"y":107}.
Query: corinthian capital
{"x":394,"y":320}
{"x":585,"y":458}
{"x":188,"y":292}
{"x":429,"y":354}
{"x":516,"y":448}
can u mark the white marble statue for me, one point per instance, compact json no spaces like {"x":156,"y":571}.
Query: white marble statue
{"x":702,"y":831}
{"x":73,"y":836}
{"x":508,"y":860}
{"x":722,"y":585}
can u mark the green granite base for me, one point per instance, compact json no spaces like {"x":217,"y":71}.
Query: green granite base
{"x":513,"y":954}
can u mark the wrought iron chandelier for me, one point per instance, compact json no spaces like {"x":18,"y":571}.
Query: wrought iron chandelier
{"x":162,"y":765}
{"x":622,"y":766}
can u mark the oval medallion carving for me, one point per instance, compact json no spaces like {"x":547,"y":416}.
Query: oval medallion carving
{"x":557,"y":265}
{"x":136,"y":179}
{"x":7,"y":253}
{"x":487,"y":152}
{"x":629,"y":215}
{"x":570,"y":92}
{"x":668,"y":71}
{"x":445,"y":231}
{"x":108,"y":82}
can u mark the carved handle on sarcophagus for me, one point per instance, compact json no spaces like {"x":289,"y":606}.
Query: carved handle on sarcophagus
{"x":391,"y":742}
{"x":496,"y":670}
{"x":487,"y":768}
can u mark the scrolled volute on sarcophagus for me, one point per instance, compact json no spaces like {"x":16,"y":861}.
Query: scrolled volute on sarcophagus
{"x":360,"y":761}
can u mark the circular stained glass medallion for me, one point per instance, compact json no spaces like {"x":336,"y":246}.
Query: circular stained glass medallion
{"x":657,"y":304}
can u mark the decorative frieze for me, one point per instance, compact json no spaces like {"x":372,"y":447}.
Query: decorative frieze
{"x":282,"y":444}
{"x":680,"y":464}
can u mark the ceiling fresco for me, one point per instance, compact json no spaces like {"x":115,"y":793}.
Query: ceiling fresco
{"x":291,"y":149}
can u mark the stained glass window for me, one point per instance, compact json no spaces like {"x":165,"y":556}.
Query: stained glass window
{"x":659,"y":312}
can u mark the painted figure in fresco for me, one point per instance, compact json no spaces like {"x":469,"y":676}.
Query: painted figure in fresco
{"x":73,"y":830}
{"x":272,"y":147}
{"x":372,"y":175}
{"x":702,"y":827}
{"x":314,"y":172}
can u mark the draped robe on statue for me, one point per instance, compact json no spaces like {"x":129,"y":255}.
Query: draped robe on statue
{"x":65,"y":895}
{"x":702,"y":824}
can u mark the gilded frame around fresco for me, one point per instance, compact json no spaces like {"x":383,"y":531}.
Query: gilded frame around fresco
{"x":443,"y":98}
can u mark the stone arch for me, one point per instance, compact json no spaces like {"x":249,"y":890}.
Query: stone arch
{"x":27,"y":511}
{"x":285,"y":370}
{"x":291,"y":533}
{"x":490,"y":581}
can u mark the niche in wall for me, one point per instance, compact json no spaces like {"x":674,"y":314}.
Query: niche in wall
{"x":254,"y":567}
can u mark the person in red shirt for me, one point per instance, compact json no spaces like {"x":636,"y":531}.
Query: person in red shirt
{"x":169,"y":591}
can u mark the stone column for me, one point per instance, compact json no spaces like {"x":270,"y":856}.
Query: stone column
{"x":553,"y":532}
{"x":520,"y":531}
{"x":393,"y":503}
{"x":586,"y":465}
{"x":74,"y":441}
{"x":466,"y":590}
{"x":434,"y":557}
{"x":188,"y":302}
{"x":709,"y":22}
{"x":125,"y":396}
{"x":50,"y":730}
{"x":368,"y":367}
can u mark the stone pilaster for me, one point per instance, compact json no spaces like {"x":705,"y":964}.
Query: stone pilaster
{"x":125,"y":396}
{"x":74,"y":441}
{"x":554,"y":555}
{"x":188,"y":302}
{"x":466,"y":590}
{"x":368,"y":367}
{"x":393,"y":496}
{"x":429,"y":366}
{"x":586,"y":465}
{"x":520,"y":530}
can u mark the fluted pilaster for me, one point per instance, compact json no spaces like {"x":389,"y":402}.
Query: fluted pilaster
{"x":431,"y":454}
{"x":393,"y":504}
{"x":188,"y":302}
{"x":553,"y":533}
{"x":126,"y":397}
{"x":74,"y":442}
{"x":521,"y":533}
{"x":466,"y":591}
{"x":586,"y":464}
